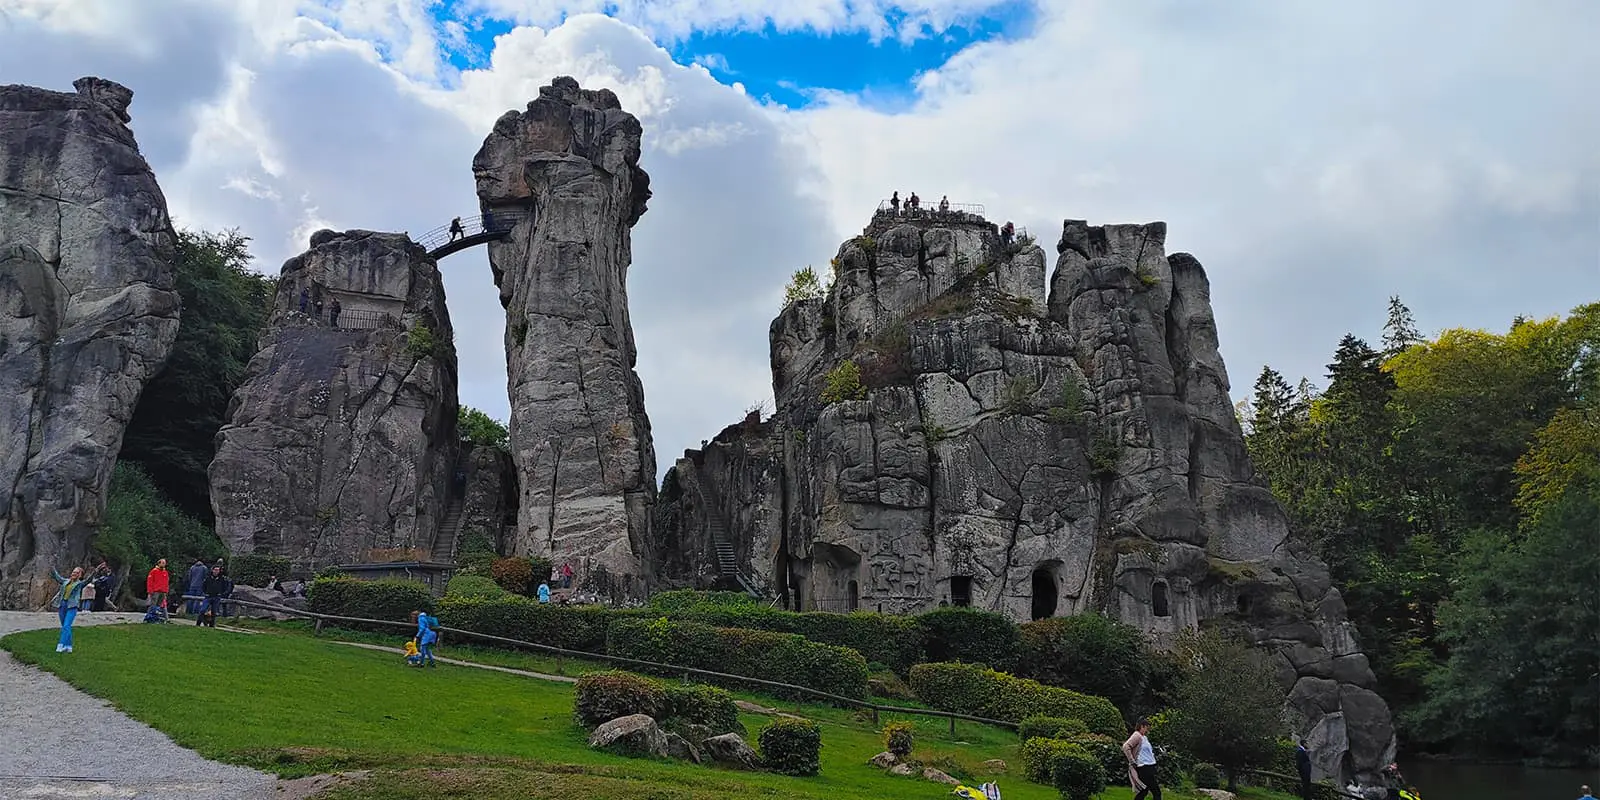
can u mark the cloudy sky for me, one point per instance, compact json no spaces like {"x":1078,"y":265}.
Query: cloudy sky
{"x":1316,"y":157}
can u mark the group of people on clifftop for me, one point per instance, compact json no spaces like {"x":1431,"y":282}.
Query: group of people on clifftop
{"x":912,"y":207}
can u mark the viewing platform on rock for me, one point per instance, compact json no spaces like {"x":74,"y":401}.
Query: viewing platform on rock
{"x":464,"y":232}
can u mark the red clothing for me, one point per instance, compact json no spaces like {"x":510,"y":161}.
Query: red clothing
{"x":157,"y":582}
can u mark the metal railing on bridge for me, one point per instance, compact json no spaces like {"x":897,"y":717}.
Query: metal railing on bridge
{"x":471,"y":230}
{"x":925,"y":210}
{"x":357,"y":319}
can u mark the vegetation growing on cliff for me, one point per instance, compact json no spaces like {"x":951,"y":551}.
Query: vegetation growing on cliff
{"x":481,"y":429}
{"x":1450,"y":484}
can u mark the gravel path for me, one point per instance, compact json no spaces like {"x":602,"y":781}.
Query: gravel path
{"x":57,"y":742}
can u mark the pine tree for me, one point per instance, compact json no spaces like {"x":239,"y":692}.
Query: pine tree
{"x":1400,"y":331}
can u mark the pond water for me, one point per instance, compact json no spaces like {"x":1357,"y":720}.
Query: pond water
{"x":1448,"y":780}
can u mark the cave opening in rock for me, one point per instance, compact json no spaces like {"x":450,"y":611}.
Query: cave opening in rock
{"x":1158,"y":599}
{"x":854,"y":596}
{"x":961,"y":590}
{"x":1242,"y":602}
{"x":1045,"y":596}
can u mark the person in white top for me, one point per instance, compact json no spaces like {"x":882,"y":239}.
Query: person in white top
{"x":1142,"y":762}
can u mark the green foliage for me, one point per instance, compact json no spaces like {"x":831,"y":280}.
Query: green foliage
{"x":1105,"y":454}
{"x":1089,"y":653}
{"x":1077,"y":774}
{"x":792,"y":747}
{"x":256,"y":569}
{"x":971,"y":635}
{"x":698,"y":704}
{"x":423,"y":342}
{"x":519,"y":574}
{"x":482,"y":429}
{"x":889,"y":639}
{"x":934,"y":434}
{"x":142,"y":526}
{"x":1016,"y":398}
{"x":778,"y":657}
{"x":1107,"y":751}
{"x":976,"y":691}
{"x":1038,"y":756}
{"x":1148,"y":281}
{"x":600,"y":697}
{"x":1069,"y":406}
{"x":690,"y":600}
{"x":1227,"y":705}
{"x":580,"y":628}
{"x":474,"y":586}
{"x":1039,"y":726}
{"x":889,"y":686}
{"x":803,"y":285}
{"x":389,"y":600}
{"x":519,"y":332}
{"x":844,"y":383}
{"x":476,"y":552}
{"x":899,"y":738}
{"x":1207,"y":777}
{"x":174,"y":427}
{"x":885,"y":359}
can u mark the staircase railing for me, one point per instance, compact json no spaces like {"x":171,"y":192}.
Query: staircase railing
{"x":721,"y":543}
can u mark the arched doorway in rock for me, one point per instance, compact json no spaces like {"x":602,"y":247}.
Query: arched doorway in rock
{"x":853,"y":596}
{"x":961,"y":590}
{"x":1046,"y":595}
{"x":1158,"y":599}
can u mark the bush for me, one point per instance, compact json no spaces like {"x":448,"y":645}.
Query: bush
{"x":600,"y":697}
{"x":469,"y":586}
{"x":792,"y":747}
{"x":779,"y":657}
{"x":514,"y":574}
{"x":970,"y":635}
{"x":894,"y":641}
{"x":1107,"y":751}
{"x":581,"y":628}
{"x":1038,"y":758}
{"x":1040,"y":726}
{"x":1076,"y":774}
{"x":844,"y":383}
{"x":889,"y":686}
{"x":256,"y":569}
{"x":681,"y":600}
{"x":899,"y":738}
{"x":1206,"y":776}
{"x":973,"y":690}
{"x":391,"y":600}
{"x":698,"y":704}
{"x":1086,"y":653}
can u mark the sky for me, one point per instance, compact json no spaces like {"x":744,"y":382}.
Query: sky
{"x":1316,"y":157}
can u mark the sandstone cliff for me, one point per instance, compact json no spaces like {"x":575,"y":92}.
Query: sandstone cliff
{"x":1032,"y":458}
{"x":342,"y":437}
{"x":88,"y":315}
{"x":567,"y":171}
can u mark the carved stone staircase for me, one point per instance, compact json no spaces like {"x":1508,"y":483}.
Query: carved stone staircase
{"x":444,"y":545}
{"x":722,"y":544}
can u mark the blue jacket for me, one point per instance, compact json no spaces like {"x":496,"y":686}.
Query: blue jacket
{"x":71,"y":591}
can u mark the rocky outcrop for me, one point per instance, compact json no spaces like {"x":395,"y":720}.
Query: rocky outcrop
{"x":1035,"y":458}
{"x":565,"y":172}
{"x":342,"y":437}
{"x":633,"y":735}
{"x":489,"y":502}
{"x":88,"y":315}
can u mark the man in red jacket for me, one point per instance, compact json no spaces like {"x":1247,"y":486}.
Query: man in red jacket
{"x":155,"y":586}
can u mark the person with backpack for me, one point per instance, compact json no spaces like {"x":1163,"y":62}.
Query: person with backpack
{"x":66,"y":602}
{"x":427,"y":635}
{"x":194,"y":585}
{"x":215,"y":587}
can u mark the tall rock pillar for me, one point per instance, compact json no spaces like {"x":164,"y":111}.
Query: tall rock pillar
{"x":564,"y":174}
{"x":88,"y":315}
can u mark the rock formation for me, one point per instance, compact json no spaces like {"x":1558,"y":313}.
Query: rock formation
{"x":88,"y":315}
{"x":489,"y":504}
{"x":1032,"y":458}
{"x":341,"y":439}
{"x":566,"y":172}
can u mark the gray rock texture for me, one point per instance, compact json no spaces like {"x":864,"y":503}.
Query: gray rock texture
{"x":633,"y":735}
{"x":489,"y":504}
{"x":88,"y":314}
{"x":567,"y":171}
{"x":341,"y":440}
{"x":730,"y":749}
{"x":1032,"y":457}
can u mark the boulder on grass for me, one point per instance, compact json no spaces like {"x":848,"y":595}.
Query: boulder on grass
{"x":733,"y":750}
{"x":938,"y":776}
{"x":884,"y":760}
{"x":681,"y":748}
{"x":255,"y":595}
{"x":633,"y":735}
{"x":901,"y":769}
{"x":995,"y":765}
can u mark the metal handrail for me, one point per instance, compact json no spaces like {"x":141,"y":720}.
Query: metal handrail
{"x":926,"y":208}
{"x":496,"y":222}
{"x":361,"y":319}
{"x":622,"y":660}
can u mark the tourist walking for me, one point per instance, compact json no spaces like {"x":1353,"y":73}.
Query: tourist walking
{"x":456,"y":231}
{"x":1142,"y":762}
{"x":194,"y":585}
{"x":1302,"y":762}
{"x":427,"y":635}
{"x":66,"y":603}
{"x":105,"y":581}
{"x":566,"y":576}
{"x":544,"y":592}
{"x":215,"y":587}
{"x":155,"y":586}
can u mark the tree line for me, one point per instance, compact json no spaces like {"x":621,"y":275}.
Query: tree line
{"x":1453,"y":486}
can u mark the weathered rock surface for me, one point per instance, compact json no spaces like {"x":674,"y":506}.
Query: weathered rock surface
{"x":633,"y":735}
{"x":884,"y":760}
{"x":732,"y":750}
{"x":567,"y":172}
{"x":341,"y":440}
{"x":680,"y":748}
{"x":88,"y":314}
{"x":489,"y":504}
{"x":1032,"y":458}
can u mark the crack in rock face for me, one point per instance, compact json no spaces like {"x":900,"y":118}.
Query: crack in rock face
{"x":341,"y":440}
{"x":567,"y":170}
{"x":1032,"y":453}
{"x":88,"y":315}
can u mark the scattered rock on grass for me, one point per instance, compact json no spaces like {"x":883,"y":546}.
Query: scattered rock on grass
{"x":681,"y":748}
{"x":939,"y":777}
{"x":900,"y":769}
{"x":884,"y":760}
{"x":995,"y":765}
{"x":633,"y":735}
{"x":733,"y":750}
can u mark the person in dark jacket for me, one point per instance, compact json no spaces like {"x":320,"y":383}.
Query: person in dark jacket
{"x":194,"y":584}
{"x":105,"y":581}
{"x":1302,"y":762}
{"x":216,"y":587}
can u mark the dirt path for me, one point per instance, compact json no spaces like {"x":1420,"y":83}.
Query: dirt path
{"x":454,"y":662}
{"x":57,"y":742}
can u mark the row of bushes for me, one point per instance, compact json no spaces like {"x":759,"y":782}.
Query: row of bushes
{"x":981,"y":692}
{"x":781,"y":657}
{"x":352,"y":597}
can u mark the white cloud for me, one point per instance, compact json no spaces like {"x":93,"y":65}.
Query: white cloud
{"x":1317,"y":159}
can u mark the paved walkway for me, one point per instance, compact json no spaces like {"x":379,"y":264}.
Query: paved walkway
{"x":57,"y":742}
{"x":454,"y":662}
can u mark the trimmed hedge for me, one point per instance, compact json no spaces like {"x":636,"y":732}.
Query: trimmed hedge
{"x":970,"y":635}
{"x":698,"y":704}
{"x":1106,"y":750}
{"x":581,"y":628}
{"x":385,"y":599}
{"x":971,"y":689}
{"x":780,"y":657}
{"x":893,"y":641}
{"x":1075,"y":773}
{"x":600,"y":697}
{"x":474,"y":586}
{"x":1038,"y":758}
{"x":792,"y":747}
{"x":255,"y":568}
{"x":690,"y":599}
{"x":1041,"y":726}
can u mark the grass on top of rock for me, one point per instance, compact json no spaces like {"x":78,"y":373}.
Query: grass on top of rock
{"x":297,"y":706}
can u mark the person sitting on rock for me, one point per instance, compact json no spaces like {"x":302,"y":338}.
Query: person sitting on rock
{"x":456,"y":231}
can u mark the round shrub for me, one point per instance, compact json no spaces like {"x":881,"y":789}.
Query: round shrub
{"x":1206,"y":776}
{"x":899,"y":738}
{"x":1038,"y":726}
{"x":389,"y":600}
{"x":514,"y":574}
{"x":1106,"y":751}
{"x":600,"y":697}
{"x":971,"y":635}
{"x":971,"y":689}
{"x":792,"y":747}
{"x":698,"y":704}
{"x":1038,"y":757}
{"x":473,"y":586}
{"x":1087,"y":653}
{"x":1076,"y":774}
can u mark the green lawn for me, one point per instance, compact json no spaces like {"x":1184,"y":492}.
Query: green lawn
{"x":296,"y":705}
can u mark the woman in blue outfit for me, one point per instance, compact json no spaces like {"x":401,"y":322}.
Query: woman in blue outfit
{"x":66,"y":604}
{"x":427,"y":635}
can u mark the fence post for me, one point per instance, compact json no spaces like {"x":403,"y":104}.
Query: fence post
{"x":318,"y":631}
{"x":875,"y":714}
{"x":952,"y":724}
